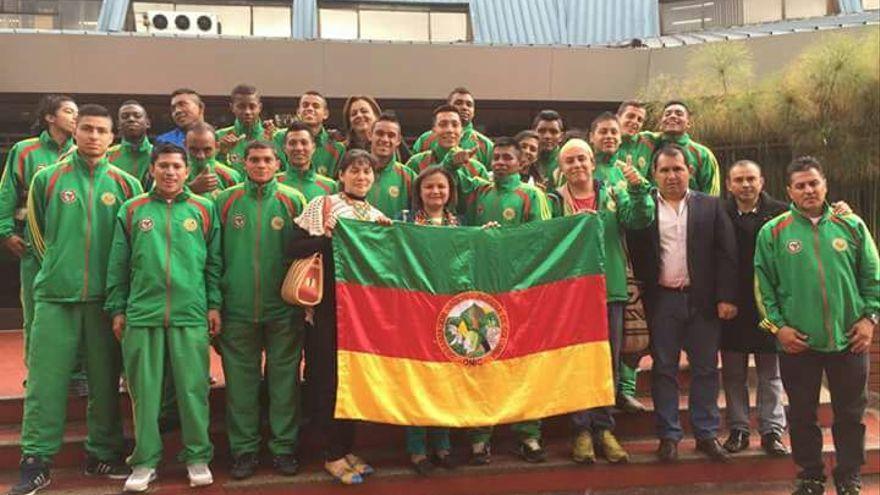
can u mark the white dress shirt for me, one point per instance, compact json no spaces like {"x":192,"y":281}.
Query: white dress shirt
{"x":672,"y":224}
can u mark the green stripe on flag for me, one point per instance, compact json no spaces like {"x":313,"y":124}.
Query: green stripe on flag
{"x":450,"y":260}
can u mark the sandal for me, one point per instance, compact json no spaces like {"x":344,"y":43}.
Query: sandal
{"x":358,"y":465}
{"x":343,"y":473}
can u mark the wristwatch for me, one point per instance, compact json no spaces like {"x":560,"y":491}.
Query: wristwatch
{"x":873,"y":318}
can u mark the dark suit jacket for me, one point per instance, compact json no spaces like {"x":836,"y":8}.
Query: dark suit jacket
{"x":711,"y":254}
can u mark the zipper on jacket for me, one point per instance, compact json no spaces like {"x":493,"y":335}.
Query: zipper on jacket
{"x":259,"y":224}
{"x":85,"y":291}
{"x":825,"y":308}
{"x":168,"y":263}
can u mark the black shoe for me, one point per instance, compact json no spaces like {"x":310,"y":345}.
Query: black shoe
{"x":531,"y":454}
{"x":809,"y":487}
{"x":772,"y":444}
{"x":629,"y":404}
{"x":737,"y":441}
{"x":444,"y":461}
{"x":852,"y":486}
{"x":668,"y":450}
{"x":244,"y":466}
{"x":423,"y":467}
{"x":712,"y":448}
{"x":285,"y":465}
{"x":34,"y":477}
{"x":116,"y":469}
{"x":482,"y":457}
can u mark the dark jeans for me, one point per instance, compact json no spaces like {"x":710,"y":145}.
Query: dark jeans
{"x":600,"y":418}
{"x":675,"y":325}
{"x":847,"y":381}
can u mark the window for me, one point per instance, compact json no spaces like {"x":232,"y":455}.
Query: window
{"x":234,"y":18}
{"x":393,"y":22}
{"x":50,"y":14}
{"x":688,"y":15}
{"x":271,"y":21}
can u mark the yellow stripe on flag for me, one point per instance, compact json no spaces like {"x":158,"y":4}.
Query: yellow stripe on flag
{"x":422,"y":393}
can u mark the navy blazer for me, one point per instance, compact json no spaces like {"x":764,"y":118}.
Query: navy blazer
{"x":711,"y":254}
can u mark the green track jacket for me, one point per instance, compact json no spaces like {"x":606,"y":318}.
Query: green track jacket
{"x":438,"y":156}
{"x":134,"y":159}
{"x":819,"y":279}
{"x":257,"y":225}
{"x":310,"y":183}
{"x":25,"y":159}
{"x":392,"y":189}
{"x":325,"y":158}
{"x":507,"y":201}
{"x":165,"y":264}
{"x":470,"y":138}
{"x":71,"y":212}
{"x":226,"y":176}
{"x":235,"y":157}
{"x":705,"y":173}
{"x":641,"y":148}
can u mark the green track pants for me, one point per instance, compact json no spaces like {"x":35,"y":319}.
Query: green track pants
{"x":183,"y":353}
{"x":241,"y":347}
{"x":626,"y":380}
{"x":28,"y":268}
{"x":57,"y":333}
{"x":524,"y":430}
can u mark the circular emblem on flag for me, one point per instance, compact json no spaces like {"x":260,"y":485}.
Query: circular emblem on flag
{"x":146,"y":224}
{"x":277,"y":223}
{"x":394,"y":191}
{"x":472,"y":328}
{"x":67,"y":196}
{"x":108,"y":198}
{"x":794,"y":246}
{"x":839,"y":244}
{"x":508,"y":214}
{"x":238,"y":221}
{"x":190,"y":224}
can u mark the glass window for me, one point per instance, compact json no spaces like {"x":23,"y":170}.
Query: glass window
{"x":338,"y":24}
{"x":234,"y":20}
{"x":272,"y":21}
{"x":390,"y":25}
{"x":448,"y":26}
{"x":28,"y":21}
{"x":81,"y":14}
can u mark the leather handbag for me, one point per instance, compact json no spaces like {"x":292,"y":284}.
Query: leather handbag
{"x":304,"y":283}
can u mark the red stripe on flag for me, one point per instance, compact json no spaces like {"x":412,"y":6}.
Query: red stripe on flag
{"x":404,"y":323}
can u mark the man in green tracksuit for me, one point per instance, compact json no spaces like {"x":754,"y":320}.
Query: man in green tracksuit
{"x":392,"y":187}
{"x":132,"y":154}
{"x":245,"y":104}
{"x":257,"y":223}
{"x":207,"y":176}
{"x":817,"y":285}
{"x":447,"y":129}
{"x":71,"y":210}
{"x":57,"y":119}
{"x":504,"y":201}
{"x":550,"y":128}
{"x":299,"y":147}
{"x":638,"y":146}
{"x":312,"y":110}
{"x":163,"y":292}
{"x":463,"y":101}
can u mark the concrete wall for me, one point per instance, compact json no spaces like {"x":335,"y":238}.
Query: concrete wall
{"x":134,"y":64}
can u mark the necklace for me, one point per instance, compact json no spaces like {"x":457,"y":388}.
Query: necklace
{"x":361,"y":209}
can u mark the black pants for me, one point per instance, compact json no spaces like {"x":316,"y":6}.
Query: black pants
{"x":336,"y":436}
{"x":847,"y":381}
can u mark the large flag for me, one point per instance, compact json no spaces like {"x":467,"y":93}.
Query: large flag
{"x":464,"y":327}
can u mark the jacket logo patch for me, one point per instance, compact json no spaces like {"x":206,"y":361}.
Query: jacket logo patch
{"x":508,"y":214}
{"x":190,"y":224}
{"x":277,"y":223}
{"x":611,"y":205}
{"x":794,"y":247}
{"x":108,"y":198}
{"x":394,"y":191}
{"x":839,"y":244}
{"x":238,"y":221}
{"x":234,"y":158}
{"x":322,"y":170}
{"x":146,"y":224}
{"x":642,"y":162}
{"x":67,"y":196}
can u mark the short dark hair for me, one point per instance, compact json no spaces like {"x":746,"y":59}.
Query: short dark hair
{"x":354,"y":155}
{"x":389,"y":116}
{"x":297,"y":126}
{"x":744,"y":163}
{"x":574,"y":133}
{"x":630,"y":103}
{"x":244,"y":90}
{"x":312,"y":92}
{"x":459,"y":90}
{"x":166,"y":148}
{"x":428,"y":172}
{"x":505,"y":141}
{"x":603,"y":117}
{"x":548,"y":115}
{"x":677,"y":102}
{"x":259,"y":145}
{"x":803,"y":164}
{"x":444,"y":109}
{"x":93,"y":110}
{"x":669,"y":149}
{"x":48,"y":105}
{"x":200,"y":128}
{"x":187,"y":91}
{"x":132,"y":102}
{"x":526,"y":134}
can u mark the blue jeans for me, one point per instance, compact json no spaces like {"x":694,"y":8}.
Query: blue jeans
{"x":676,"y":326}
{"x":600,"y":418}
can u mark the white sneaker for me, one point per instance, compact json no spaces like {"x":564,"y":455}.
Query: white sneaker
{"x":199,"y":475}
{"x":139,"y":479}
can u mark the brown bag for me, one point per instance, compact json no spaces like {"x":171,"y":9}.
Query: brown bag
{"x":304,"y":283}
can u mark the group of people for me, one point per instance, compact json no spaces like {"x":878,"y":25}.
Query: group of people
{"x":135,"y":258}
